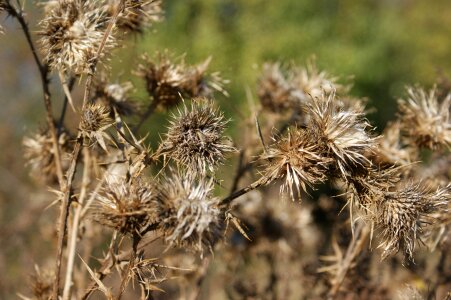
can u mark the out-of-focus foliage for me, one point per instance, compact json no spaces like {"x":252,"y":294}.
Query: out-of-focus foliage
{"x":383,"y":44}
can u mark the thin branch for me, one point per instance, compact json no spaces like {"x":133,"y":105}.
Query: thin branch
{"x":227,"y":200}
{"x":150,"y":110}
{"x":72,"y":247}
{"x":43,"y":71}
{"x":65,"y":205}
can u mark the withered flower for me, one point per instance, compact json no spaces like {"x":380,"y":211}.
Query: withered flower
{"x":342,"y":132}
{"x":126,"y":206}
{"x":95,"y":120}
{"x":195,"y":137}
{"x":403,"y":215}
{"x":297,"y":157}
{"x":39,"y":154}
{"x":71,"y":34}
{"x":114,"y":95}
{"x":274,"y":90}
{"x":189,"y":213}
{"x":137,"y":14}
{"x":167,"y":81}
{"x":309,"y":80}
{"x":392,"y":149}
{"x":425,"y":120}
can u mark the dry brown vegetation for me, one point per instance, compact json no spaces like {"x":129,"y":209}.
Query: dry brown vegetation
{"x":162,"y":222}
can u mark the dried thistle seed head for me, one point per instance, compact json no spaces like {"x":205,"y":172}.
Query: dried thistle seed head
{"x":297,"y":157}
{"x":95,"y":120}
{"x":425,"y":120}
{"x":342,"y":132}
{"x":309,"y":80}
{"x":391,"y":150}
{"x":274,"y":90}
{"x":189,"y":213}
{"x":39,"y":155}
{"x":41,"y":283}
{"x":114,"y":95}
{"x":365,"y":190}
{"x":71,"y":34}
{"x":126,"y":206}
{"x":137,"y":14}
{"x":195,"y":137}
{"x":167,"y":80}
{"x":403,"y":215}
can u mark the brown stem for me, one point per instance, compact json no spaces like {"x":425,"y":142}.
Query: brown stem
{"x":150,"y":110}
{"x":64,"y":213}
{"x":65,"y":205}
{"x":43,"y":71}
{"x":227,"y":200}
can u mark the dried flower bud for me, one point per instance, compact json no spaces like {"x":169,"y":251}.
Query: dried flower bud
{"x":310,"y":81}
{"x":38,"y":151}
{"x":343,"y":133}
{"x":126,"y":206}
{"x":95,"y":120}
{"x":42,"y":283}
{"x":391,"y":150}
{"x":166,"y":81}
{"x":114,"y":95}
{"x":274,"y":90}
{"x":137,"y":14}
{"x":189,"y":214}
{"x":403,"y":215}
{"x":297,"y":157}
{"x":426,"y":121}
{"x":72,"y":32}
{"x":195,"y":137}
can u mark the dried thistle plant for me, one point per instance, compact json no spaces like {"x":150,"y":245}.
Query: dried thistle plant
{"x":126,"y":206}
{"x":298,"y":158}
{"x":312,"y":82}
{"x":137,"y":15}
{"x":425,"y":119}
{"x":189,"y":214}
{"x":274,"y":90}
{"x":195,"y":138}
{"x":167,"y":79}
{"x":94,"y":121}
{"x":72,"y":32}
{"x":344,"y":134}
{"x":115,"y":96}
{"x":39,"y":154}
{"x":392,"y":148}
{"x":402,"y":215}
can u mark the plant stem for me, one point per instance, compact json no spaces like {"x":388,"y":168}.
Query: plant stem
{"x":75,"y":224}
{"x":227,"y":200}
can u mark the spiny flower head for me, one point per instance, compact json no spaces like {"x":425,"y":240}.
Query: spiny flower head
{"x":72,"y":32}
{"x":274,"y":90}
{"x":137,"y":14}
{"x":309,"y":80}
{"x":426,"y":120}
{"x":195,"y":137}
{"x":126,"y":206}
{"x":342,"y":132}
{"x":114,"y":95}
{"x":167,"y":80}
{"x":403,"y":215}
{"x":39,"y":154}
{"x":391,"y":148}
{"x":95,"y":120}
{"x":297,"y":157}
{"x":189,"y":214}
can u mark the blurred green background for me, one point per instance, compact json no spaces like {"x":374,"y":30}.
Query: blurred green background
{"x":382,"y":44}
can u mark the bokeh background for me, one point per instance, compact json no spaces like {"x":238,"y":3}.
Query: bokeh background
{"x":379,"y":45}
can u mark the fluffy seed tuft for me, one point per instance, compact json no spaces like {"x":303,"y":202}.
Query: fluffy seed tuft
{"x":189,"y":214}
